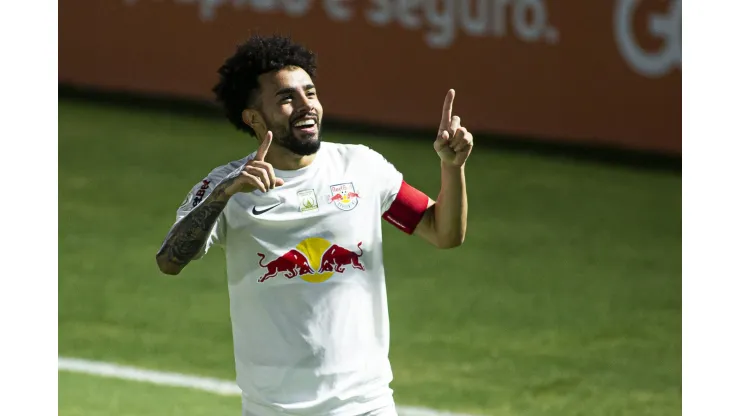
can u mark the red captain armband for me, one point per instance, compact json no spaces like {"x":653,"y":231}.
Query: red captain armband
{"x":407,"y":209}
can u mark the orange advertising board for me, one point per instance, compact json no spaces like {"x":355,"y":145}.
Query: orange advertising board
{"x":604,"y":72}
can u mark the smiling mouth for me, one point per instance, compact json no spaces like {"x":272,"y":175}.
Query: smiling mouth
{"x":307,"y":125}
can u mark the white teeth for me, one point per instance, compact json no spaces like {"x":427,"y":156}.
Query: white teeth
{"x":303,"y":123}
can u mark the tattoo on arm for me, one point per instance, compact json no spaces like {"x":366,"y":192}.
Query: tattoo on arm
{"x":187,"y":237}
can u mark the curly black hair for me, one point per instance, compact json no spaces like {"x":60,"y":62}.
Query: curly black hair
{"x":238,"y":84}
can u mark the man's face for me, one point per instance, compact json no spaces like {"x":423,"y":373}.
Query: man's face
{"x":291,"y":110}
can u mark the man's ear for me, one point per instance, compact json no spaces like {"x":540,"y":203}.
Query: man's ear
{"x":253,"y":119}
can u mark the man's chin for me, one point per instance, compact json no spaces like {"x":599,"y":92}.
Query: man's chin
{"x":304,"y":145}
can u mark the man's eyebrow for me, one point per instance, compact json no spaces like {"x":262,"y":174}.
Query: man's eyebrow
{"x":291,"y":89}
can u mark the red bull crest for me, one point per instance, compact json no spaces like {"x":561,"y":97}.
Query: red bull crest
{"x":314,"y":260}
{"x":344,"y":196}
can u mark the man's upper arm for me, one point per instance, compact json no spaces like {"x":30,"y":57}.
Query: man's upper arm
{"x":403,"y":206}
{"x":408,"y":208}
{"x":197,"y":195}
{"x":425,"y":229}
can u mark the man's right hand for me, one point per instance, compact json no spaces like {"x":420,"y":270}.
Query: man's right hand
{"x":255,"y":174}
{"x":190,"y":234}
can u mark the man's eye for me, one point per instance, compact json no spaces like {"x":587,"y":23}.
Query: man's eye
{"x":286,"y":99}
{"x":311,"y":93}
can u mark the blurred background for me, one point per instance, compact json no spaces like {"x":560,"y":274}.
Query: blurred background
{"x":565,"y":298}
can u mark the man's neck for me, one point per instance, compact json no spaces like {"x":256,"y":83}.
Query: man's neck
{"x":283,"y":159}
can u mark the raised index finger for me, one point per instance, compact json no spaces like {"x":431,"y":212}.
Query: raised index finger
{"x":447,"y":111}
{"x":264,"y":147}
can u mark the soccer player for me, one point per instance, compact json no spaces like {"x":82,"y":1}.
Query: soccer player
{"x":300,"y":223}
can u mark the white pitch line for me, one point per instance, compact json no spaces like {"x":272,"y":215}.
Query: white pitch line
{"x":211,"y":385}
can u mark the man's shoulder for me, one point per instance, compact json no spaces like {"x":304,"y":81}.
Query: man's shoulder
{"x":347,"y":150}
{"x":220,"y":172}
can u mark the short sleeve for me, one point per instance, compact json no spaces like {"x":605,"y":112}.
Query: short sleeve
{"x":197,"y":194}
{"x":387,"y":178}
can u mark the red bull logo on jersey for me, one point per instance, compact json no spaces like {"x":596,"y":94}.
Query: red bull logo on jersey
{"x":291,"y":264}
{"x":344,"y":196}
{"x":314,"y":260}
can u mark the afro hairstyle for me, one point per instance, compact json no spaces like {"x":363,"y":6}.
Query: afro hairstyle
{"x":238,"y":85}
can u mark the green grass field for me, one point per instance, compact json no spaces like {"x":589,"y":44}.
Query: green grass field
{"x":564,"y":300}
{"x":85,"y":395}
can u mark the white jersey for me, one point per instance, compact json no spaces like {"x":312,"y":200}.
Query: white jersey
{"x":307,"y":285}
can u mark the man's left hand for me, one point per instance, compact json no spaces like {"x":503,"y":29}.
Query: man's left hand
{"x":454,"y":143}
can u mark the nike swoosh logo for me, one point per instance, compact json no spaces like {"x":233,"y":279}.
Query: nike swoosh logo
{"x":255,"y":211}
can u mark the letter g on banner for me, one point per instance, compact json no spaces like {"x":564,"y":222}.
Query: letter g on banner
{"x":666,"y":26}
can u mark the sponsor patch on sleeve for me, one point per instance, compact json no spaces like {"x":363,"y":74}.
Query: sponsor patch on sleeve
{"x":201,"y":193}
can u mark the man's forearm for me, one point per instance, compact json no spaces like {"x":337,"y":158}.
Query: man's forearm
{"x":189,"y":235}
{"x":451,"y":208}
